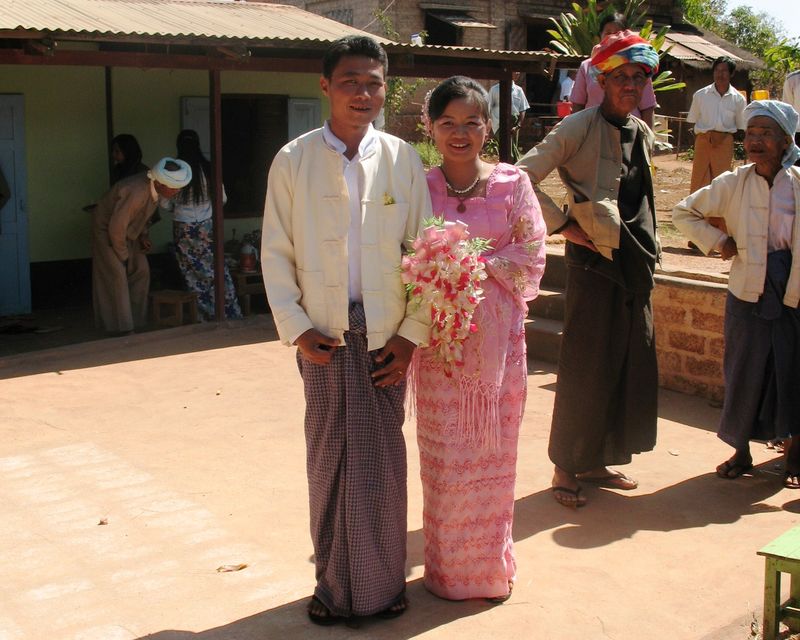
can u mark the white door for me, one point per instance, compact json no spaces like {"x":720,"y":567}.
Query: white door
{"x":15,"y":282}
{"x":304,"y":115}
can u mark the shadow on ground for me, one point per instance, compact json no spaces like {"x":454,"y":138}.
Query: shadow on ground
{"x":290,"y":621}
{"x":153,"y":344}
{"x":599,"y":524}
{"x":668,"y":509}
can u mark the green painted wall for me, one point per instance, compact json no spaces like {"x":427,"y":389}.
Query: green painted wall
{"x":65,"y":154}
{"x":65,"y":129}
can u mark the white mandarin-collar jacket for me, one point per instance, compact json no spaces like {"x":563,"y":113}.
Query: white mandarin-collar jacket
{"x":304,"y":241}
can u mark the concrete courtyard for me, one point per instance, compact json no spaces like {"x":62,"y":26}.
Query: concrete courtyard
{"x":132,"y":469}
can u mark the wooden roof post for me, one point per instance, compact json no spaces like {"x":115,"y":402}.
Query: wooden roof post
{"x":215,"y":127}
{"x":504,"y":134}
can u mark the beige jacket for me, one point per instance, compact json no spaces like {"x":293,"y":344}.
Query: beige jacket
{"x":124,"y":211}
{"x":304,"y":240}
{"x":741,"y":197}
{"x":586,"y":150}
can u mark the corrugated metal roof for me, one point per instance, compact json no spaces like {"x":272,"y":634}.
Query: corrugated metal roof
{"x":479,"y":53}
{"x":462,"y":20}
{"x":178,"y":19}
{"x":687,"y":46}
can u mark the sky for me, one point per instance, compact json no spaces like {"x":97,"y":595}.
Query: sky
{"x":781,"y":10}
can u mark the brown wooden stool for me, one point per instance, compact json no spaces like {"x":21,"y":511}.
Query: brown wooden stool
{"x":248,"y":283}
{"x":172,"y":302}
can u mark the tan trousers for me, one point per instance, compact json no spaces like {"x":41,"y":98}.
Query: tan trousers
{"x":119,"y":291}
{"x":713,"y":155}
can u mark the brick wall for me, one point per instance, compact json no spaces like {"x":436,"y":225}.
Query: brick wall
{"x":688,"y":318}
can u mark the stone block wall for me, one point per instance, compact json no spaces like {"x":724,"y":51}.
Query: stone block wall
{"x":688,"y":317}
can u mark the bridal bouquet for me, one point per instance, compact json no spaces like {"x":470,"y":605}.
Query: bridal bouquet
{"x":444,"y":268}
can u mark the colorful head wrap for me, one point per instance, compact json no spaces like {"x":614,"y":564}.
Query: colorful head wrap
{"x":623,"y":47}
{"x":786,"y":117}
{"x":175,"y":178}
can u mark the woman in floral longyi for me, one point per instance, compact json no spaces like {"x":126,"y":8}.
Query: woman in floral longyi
{"x":468,"y":416}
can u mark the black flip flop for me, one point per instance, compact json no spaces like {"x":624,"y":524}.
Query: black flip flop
{"x":613,"y":480}
{"x":327,"y":619}
{"x":737,"y":469}
{"x":573,"y":492}
{"x":392,"y":612}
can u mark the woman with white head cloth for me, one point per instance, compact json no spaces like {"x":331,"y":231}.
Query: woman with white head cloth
{"x":120,"y":273}
{"x":752,"y":214}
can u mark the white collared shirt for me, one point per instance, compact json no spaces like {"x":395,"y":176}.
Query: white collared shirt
{"x":713,"y":112}
{"x":355,"y":184}
{"x":519,"y":102}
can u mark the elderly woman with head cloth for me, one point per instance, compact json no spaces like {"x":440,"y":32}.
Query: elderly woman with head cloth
{"x":120,"y":272}
{"x":752,"y":214}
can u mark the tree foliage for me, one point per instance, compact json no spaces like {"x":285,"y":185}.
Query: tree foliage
{"x":706,"y":14}
{"x":398,"y":90}
{"x":575,"y":34}
{"x":754,"y":31}
{"x":784,"y":57}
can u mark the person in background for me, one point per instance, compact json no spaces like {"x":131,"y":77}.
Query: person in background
{"x":192,"y":230}
{"x":519,"y":104}
{"x":126,"y":161}
{"x":474,"y":413}
{"x":566,"y":86}
{"x":606,"y":400}
{"x":126,"y":157}
{"x":342,"y":201}
{"x":791,"y":95}
{"x":586,"y":93}
{"x":120,"y":272}
{"x":717,"y":112}
{"x":759,"y":204}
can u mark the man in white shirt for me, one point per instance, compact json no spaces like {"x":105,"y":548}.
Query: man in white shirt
{"x":341,"y":201}
{"x":791,"y":95}
{"x":519,"y":104}
{"x":717,"y":112}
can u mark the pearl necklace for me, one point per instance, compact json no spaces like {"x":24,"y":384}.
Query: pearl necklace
{"x":461,"y":208}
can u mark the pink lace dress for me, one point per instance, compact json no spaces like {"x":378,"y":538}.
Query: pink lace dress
{"x":468,"y":424}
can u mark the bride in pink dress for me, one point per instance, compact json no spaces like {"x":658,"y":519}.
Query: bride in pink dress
{"x":468,"y":423}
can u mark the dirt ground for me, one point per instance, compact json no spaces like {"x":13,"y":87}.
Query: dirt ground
{"x":671,"y":186}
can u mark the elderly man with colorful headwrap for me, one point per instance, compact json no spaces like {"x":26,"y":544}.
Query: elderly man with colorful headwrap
{"x":605,"y":405}
{"x":756,"y":208}
{"x":120,"y":273}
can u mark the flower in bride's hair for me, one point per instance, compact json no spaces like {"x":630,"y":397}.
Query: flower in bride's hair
{"x":425,"y":117}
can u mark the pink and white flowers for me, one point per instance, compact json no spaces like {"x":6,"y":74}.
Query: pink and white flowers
{"x":444,"y":268}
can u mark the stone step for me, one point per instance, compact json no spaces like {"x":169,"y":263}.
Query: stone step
{"x":543,"y":338}
{"x":548,"y":304}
